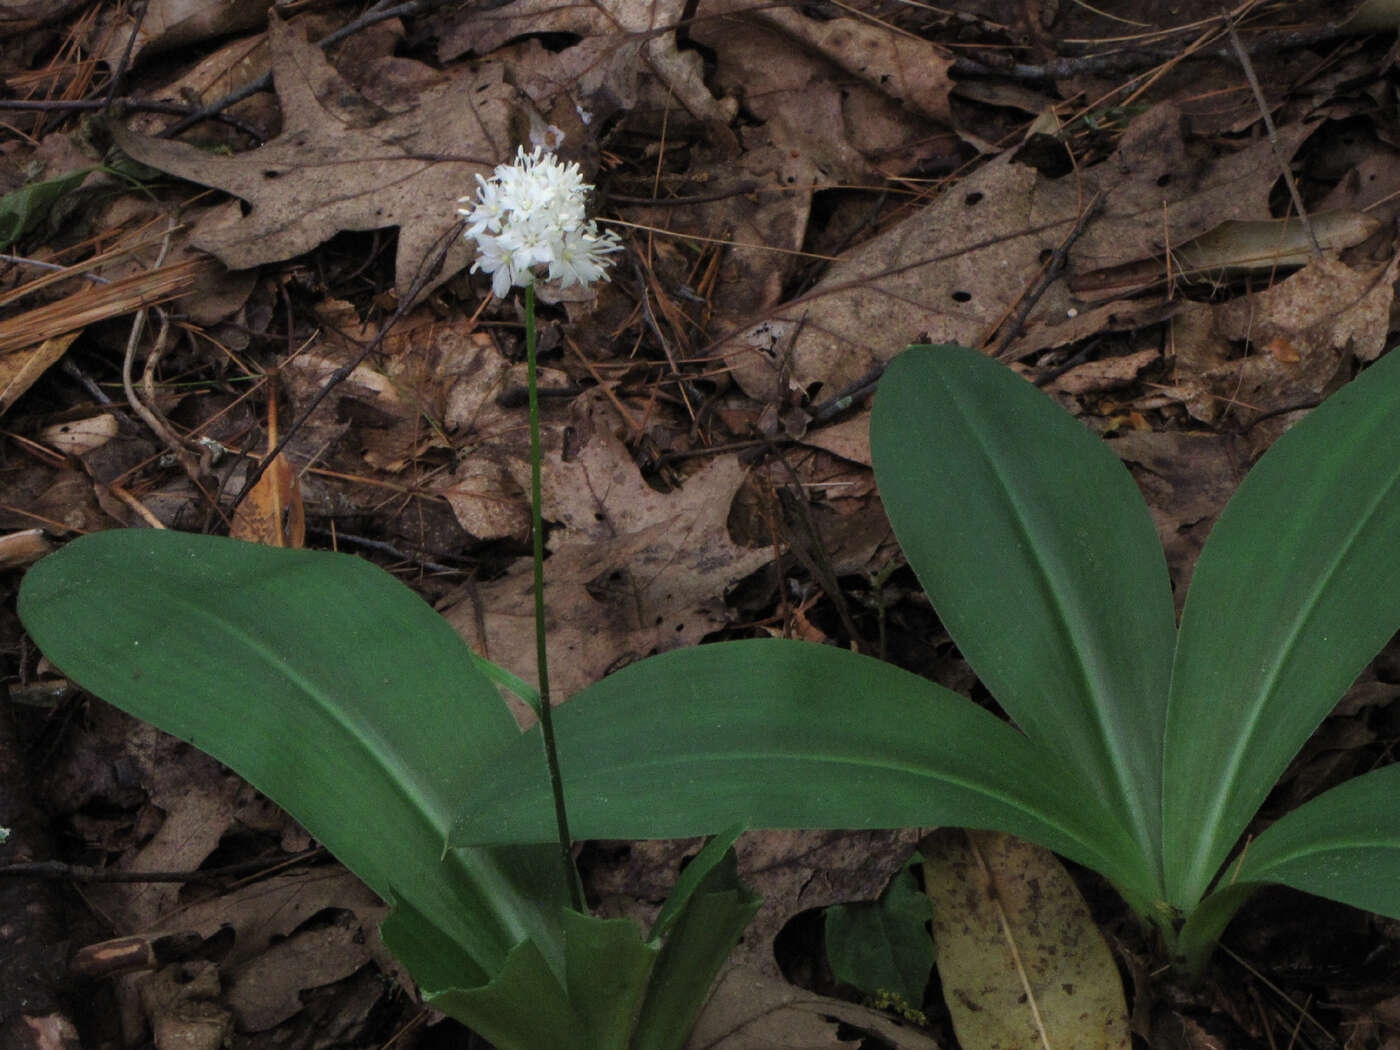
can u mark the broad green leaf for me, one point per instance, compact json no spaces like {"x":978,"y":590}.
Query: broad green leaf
{"x":709,"y":923}
{"x":695,"y":873}
{"x":780,"y":734}
{"x":1296,"y":590}
{"x":883,"y":945}
{"x":607,"y":967}
{"x":324,"y":682}
{"x":1038,"y":553}
{"x":525,"y":1007}
{"x":1343,"y":845}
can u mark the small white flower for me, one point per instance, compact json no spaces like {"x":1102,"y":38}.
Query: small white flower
{"x":532,"y":213}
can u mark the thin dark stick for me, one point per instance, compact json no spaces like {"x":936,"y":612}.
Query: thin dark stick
{"x":737,"y":190}
{"x":1053,"y":269}
{"x":138,"y":105}
{"x":847,"y":396}
{"x":54,"y":869}
{"x":119,"y":74}
{"x":1127,"y":60}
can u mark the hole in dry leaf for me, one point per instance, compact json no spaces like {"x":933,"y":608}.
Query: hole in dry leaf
{"x":271,"y":173}
{"x":799,"y":949}
{"x":1164,"y":179}
{"x":973,"y":198}
{"x":962,"y":297}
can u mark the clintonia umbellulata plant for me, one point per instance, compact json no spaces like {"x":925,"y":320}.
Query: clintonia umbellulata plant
{"x":1140,"y":749}
{"x":345,"y":698}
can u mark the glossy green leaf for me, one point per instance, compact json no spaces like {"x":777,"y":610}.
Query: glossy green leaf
{"x":1041,"y":560}
{"x":1343,"y":845}
{"x":607,"y":967}
{"x":1297,"y":588}
{"x":883,"y":945}
{"x":696,"y":872}
{"x":708,"y":924}
{"x":324,"y":682}
{"x":780,"y":734}
{"x":525,"y":1006}
{"x":619,"y":992}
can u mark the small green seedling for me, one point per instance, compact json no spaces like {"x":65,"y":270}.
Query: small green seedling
{"x":1140,"y":749}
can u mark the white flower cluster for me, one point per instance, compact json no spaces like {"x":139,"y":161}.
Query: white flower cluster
{"x":531,"y":213}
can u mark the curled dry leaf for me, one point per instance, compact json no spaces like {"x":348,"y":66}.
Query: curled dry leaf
{"x":751,"y":1011}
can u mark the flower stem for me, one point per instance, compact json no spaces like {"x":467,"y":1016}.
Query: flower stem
{"x":551,"y":751}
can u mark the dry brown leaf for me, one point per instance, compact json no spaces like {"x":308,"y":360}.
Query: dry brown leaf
{"x":79,"y":436}
{"x":183,"y":1005}
{"x":169,"y":24}
{"x":752,"y":1011}
{"x":958,"y":269}
{"x":630,"y":570}
{"x":1316,"y":321}
{"x":272,"y":513}
{"x":265,"y":913}
{"x":948,"y":274}
{"x":344,"y":163}
{"x":20,"y":368}
{"x":620,"y":38}
{"x":849,"y":439}
{"x":793,"y":871}
{"x":18,"y":549}
{"x":267,"y":991}
{"x":905,"y":67}
{"x":270,"y":957}
{"x":1232,"y":251}
{"x":1022,"y":964}
{"x":1187,"y":479}
{"x":1106,"y":374}
{"x":1162,"y":189}
{"x":486,"y":500}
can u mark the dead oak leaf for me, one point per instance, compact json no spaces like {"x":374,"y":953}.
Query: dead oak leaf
{"x":630,"y":570}
{"x":344,"y":163}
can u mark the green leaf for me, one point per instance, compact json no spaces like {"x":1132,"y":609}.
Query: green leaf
{"x":883,"y":945}
{"x":1038,"y":553}
{"x":1296,"y":590}
{"x":695,"y":873}
{"x":23,"y":209}
{"x":709,"y":923}
{"x":780,"y":734}
{"x":525,"y":1007}
{"x":1343,"y":845}
{"x":607,"y":966}
{"x":329,"y":686}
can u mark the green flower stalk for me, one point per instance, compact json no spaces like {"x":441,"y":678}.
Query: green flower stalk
{"x":531,"y":215}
